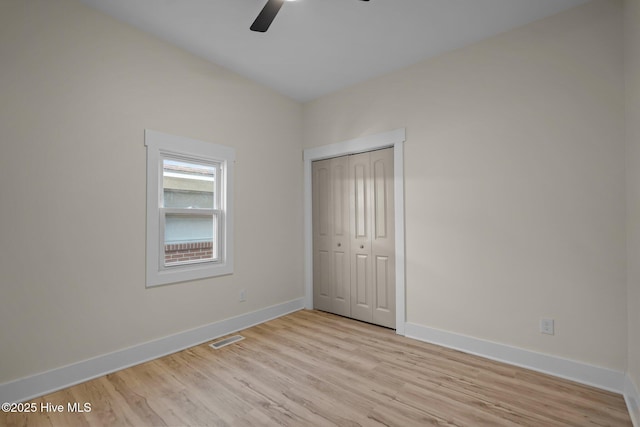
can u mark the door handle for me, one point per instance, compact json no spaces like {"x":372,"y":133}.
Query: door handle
{"x":339,"y":244}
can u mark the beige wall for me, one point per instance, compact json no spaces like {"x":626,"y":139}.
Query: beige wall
{"x":632,"y":90}
{"x":514,"y":175}
{"x":78,"y":89}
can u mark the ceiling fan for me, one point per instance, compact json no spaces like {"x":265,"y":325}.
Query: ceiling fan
{"x":267,"y":15}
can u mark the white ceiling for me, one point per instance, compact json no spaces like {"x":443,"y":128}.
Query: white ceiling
{"x":315,"y":47}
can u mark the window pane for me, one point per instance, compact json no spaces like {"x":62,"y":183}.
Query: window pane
{"x":189,"y":238}
{"x":188,"y":185}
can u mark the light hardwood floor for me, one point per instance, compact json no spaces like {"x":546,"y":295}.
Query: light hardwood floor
{"x":316,"y":369}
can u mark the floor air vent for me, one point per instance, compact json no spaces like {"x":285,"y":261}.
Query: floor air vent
{"x":226,"y":341}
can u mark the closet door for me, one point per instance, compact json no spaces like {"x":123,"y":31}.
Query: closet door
{"x":372,"y":239}
{"x":331,"y":273}
{"x":353,"y":237}
{"x":322,"y":265}
{"x":340,"y":241}
{"x":360,"y":219}
{"x":383,"y":238}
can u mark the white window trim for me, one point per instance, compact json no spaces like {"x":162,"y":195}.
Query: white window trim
{"x":159,"y":144}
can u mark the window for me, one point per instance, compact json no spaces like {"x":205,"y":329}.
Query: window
{"x":189,"y":209}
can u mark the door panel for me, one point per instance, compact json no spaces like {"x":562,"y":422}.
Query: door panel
{"x":361,"y":288}
{"x":385,"y":298}
{"x":331,"y":236}
{"x":323,"y":200}
{"x":380,"y":198}
{"x":383,"y":241}
{"x":340,"y":198}
{"x":322,"y":265}
{"x":381,"y":281}
{"x":341,"y":282}
{"x":339,"y":263}
{"x":360,"y":199}
{"x":360,"y":216}
{"x":324,"y":275}
{"x":361,"y":280}
{"x":340,"y":242}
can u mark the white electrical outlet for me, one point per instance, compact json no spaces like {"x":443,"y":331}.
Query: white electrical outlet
{"x":243,"y":295}
{"x":546,"y":326}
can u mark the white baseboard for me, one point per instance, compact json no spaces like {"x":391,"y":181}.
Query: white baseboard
{"x":46,"y":382}
{"x":632,"y":397}
{"x":596,"y":376}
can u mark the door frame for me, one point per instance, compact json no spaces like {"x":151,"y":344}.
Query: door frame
{"x":395,"y":139}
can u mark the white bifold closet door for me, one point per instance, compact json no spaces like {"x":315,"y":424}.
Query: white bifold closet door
{"x":331,"y":273}
{"x":353,"y":237}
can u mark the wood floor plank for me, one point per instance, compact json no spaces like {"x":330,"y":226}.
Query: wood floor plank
{"x":316,"y":369}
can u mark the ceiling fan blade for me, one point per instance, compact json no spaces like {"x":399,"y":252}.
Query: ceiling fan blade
{"x":266,"y":16}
